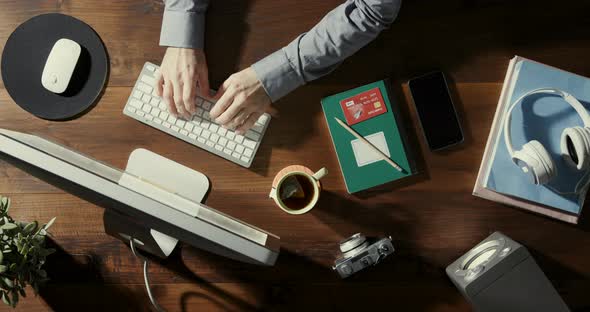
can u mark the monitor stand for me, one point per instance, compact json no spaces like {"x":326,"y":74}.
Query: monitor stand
{"x":171,"y":176}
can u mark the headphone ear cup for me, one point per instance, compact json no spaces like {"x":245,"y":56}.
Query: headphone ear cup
{"x":535,"y":161}
{"x":527,"y":164}
{"x":575,"y":147}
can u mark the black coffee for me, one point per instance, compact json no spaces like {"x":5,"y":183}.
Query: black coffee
{"x":301,"y":199}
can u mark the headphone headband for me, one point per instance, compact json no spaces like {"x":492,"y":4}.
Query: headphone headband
{"x":572,"y":101}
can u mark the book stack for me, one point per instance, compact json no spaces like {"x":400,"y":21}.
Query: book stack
{"x":540,"y":118}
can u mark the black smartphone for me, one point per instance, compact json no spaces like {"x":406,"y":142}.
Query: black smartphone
{"x":436,"y":111}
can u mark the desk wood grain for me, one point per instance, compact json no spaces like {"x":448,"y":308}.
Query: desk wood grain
{"x":433,"y":220}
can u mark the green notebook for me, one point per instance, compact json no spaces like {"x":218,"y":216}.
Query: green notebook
{"x":361,"y":167}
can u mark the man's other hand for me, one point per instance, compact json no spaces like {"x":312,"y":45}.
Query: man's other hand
{"x":183,"y":74}
{"x":241,"y":100}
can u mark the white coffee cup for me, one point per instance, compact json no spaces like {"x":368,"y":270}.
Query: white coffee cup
{"x":297,"y":170}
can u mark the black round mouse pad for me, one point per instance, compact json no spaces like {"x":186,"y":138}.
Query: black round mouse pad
{"x":24,"y":57}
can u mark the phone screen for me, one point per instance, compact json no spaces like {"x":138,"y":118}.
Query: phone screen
{"x":436,"y":111}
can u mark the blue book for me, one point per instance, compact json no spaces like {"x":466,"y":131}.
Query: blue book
{"x":542,"y":118}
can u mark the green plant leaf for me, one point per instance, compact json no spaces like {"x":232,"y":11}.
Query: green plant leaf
{"x":8,"y":282}
{"x":1,"y":257}
{"x":5,"y":298}
{"x":14,"y":299}
{"x":3,"y":268}
{"x":42,"y":273}
{"x":46,"y":252}
{"x":5,"y":202}
{"x":31,"y":227}
{"x":50,"y":223}
{"x":22,"y":292}
{"x":9,"y":226}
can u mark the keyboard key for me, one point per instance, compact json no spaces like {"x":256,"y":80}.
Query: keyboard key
{"x":136,"y":103}
{"x":149,"y":80}
{"x":253,"y":135}
{"x":249,"y":143}
{"x":214,"y":137}
{"x":145,"y":88}
{"x":262,"y":119}
{"x":258,"y":128}
{"x":202,"y":130}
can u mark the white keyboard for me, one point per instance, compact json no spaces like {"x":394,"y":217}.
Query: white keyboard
{"x":144,"y":105}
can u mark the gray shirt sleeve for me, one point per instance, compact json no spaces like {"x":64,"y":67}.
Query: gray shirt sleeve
{"x":183,"y":24}
{"x":341,"y":33}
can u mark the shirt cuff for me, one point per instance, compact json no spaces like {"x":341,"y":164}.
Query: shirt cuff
{"x":277,"y":75}
{"x":183,"y":29}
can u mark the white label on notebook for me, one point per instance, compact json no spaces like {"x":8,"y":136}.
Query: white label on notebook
{"x":365,"y":155}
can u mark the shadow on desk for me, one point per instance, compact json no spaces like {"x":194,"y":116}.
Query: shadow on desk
{"x":571,"y":285}
{"x":75,"y":283}
{"x":342,"y":214}
{"x":298,"y":282}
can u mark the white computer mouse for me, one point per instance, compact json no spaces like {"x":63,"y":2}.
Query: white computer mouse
{"x":60,"y":65}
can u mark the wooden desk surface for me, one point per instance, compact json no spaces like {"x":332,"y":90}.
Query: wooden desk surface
{"x":433,"y":221}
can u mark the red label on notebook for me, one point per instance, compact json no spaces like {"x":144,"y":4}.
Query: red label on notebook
{"x":363,"y":106}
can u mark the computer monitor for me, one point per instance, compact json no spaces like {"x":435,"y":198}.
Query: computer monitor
{"x":207,"y":229}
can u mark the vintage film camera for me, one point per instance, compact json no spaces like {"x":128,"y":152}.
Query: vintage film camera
{"x":358,"y":253}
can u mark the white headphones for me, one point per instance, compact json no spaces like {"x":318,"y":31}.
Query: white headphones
{"x":534,"y":160}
